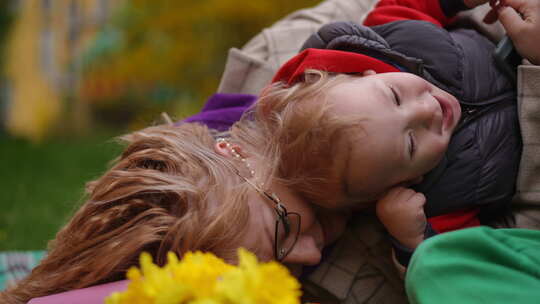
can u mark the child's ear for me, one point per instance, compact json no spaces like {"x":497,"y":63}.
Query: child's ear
{"x":368,"y":73}
{"x":311,"y":78}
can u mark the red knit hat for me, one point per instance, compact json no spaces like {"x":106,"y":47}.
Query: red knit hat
{"x":331,"y":61}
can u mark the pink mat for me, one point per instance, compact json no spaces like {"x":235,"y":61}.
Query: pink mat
{"x":91,"y":295}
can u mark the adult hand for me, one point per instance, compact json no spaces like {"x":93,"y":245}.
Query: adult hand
{"x":401,"y":211}
{"x":521,"y":20}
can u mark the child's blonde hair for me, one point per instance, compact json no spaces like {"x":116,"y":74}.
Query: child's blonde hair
{"x":307,"y":133}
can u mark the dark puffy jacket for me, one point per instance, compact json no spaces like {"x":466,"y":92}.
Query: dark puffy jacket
{"x":481,"y":163}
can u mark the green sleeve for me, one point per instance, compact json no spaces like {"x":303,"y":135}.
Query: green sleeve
{"x":476,"y":265}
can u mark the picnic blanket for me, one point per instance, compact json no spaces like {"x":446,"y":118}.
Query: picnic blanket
{"x":15,"y":265}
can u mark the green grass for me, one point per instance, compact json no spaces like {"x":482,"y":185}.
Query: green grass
{"x":41,"y":185}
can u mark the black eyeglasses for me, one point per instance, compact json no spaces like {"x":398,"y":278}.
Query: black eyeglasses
{"x":287,"y":226}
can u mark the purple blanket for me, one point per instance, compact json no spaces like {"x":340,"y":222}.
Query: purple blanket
{"x":221,"y":111}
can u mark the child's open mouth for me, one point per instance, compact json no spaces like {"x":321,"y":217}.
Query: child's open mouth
{"x":451,"y":111}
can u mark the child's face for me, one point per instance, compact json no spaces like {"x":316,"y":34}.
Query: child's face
{"x":405,"y":132}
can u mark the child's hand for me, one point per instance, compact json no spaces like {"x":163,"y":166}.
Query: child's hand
{"x":401,"y":211}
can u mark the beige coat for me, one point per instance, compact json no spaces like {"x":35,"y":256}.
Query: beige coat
{"x":527,"y":198}
{"x":359,"y":269}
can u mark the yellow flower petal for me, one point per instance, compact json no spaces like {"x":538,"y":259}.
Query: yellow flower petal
{"x":258,"y":283}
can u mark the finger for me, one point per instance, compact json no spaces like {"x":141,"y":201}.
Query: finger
{"x":393,"y":193}
{"x":528,"y":9}
{"x":511,"y":21}
{"x":404,"y":194}
{"x":418,"y":199}
{"x":518,"y":5}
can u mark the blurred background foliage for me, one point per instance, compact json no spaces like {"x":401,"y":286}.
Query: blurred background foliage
{"x":75,"y":73}
{"x":166,"y":56}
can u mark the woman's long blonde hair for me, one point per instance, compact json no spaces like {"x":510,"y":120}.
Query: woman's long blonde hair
{"x":168,"y":191}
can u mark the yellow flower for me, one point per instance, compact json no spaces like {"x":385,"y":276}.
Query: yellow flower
{"x":151,"y":285}
{"x":202,"y":278}
{"x":199,"y":271}
{"x":252,"y":282}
